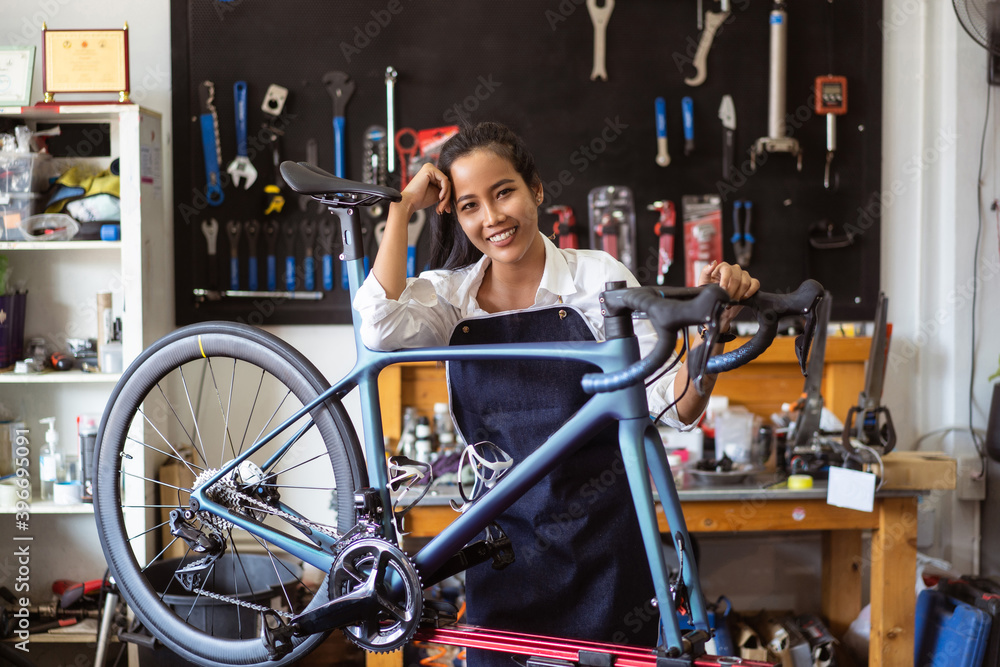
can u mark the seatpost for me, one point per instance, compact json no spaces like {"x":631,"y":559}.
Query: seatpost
{"x":617,"y":323}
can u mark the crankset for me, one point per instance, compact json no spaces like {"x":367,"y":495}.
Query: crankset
{"x":376,"y":596}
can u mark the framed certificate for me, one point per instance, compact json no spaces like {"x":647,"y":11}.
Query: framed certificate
{"x":85,"y":61}
{"x":17,"y":65}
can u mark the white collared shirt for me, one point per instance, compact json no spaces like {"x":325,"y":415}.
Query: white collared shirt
{"x":432,"y":304}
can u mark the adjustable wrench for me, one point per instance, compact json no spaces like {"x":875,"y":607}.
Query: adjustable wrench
{"x":233,"y":229}
{"x":209,"y":122}
{"x":307,"y":228}
{"x":210,"y":228}
{"x":241,"y":167}
{"x":252,"y":229}
{"x":271,"y":238}
{"x":600,"y":16}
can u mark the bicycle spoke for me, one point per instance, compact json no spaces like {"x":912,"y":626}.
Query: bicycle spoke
{"x":224,"y":413}
{"x":177,"y":454}
{"x":159,"y":525}
{"x":194,"y":416}
{"x":277,"y":576}
{"x":189,"y":464}
{"x":282,"y":472}
{"x":260,"y":383}
{"x":156,"y":481}
{"x":180,"y":421}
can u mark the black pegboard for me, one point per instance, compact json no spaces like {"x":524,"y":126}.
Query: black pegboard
{"x":527,"y":63}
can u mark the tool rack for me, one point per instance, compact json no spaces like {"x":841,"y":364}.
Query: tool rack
{"x":529,"y":65}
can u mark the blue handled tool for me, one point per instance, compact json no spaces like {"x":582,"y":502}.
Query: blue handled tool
{"x":252,"y":228}
{"x":340,"y":87}
{"x":209,"y":123}
{"x":742,"y":239}
{"x":241,"y":167}
{"x":662,"y":156}
{"x":271,"y":238}
{"x":233,"y":229}
{"x":327,"y":230}
{"x":687,"y":107}
{"x":308,"y":230}
{"x":290,"y":277}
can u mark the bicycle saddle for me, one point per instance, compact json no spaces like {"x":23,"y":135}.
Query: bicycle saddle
{"x":308,"y":179}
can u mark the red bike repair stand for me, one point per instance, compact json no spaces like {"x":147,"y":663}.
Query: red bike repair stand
{"x":567,"y":652}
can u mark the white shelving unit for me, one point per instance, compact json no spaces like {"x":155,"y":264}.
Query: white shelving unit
{"x":63,"y":279}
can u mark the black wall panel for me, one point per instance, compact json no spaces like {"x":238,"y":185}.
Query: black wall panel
{"x":528,"y":63}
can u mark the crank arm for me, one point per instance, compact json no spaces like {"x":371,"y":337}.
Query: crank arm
{"x":346,"y":610}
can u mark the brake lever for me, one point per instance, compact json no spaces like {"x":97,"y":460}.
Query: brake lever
{"x":803,"y":342}
{"x":698,"y":357}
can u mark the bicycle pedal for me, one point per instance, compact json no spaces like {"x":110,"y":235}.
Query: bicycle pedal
{"x":278,"y":639}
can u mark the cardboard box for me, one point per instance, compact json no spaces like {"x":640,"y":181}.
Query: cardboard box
{"x":919,"y":471}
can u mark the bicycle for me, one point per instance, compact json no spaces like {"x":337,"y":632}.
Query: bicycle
{"x":247,"y":464}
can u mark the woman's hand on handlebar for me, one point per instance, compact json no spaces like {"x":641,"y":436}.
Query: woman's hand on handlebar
{"x":428,"y":187}
{"x":738,"y":284}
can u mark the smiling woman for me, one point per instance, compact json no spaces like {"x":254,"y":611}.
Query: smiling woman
{"x":500,"y":280}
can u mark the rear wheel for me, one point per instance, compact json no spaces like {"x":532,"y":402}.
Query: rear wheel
{"x":195,"y":400}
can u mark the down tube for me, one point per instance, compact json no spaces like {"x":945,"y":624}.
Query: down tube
{"x":664,"y":480}
{"x":630,"y":436}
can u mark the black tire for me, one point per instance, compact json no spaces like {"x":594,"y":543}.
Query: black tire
{"x":209,"y":385}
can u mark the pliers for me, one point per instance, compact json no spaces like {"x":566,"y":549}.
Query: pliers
{"x":742,"y":238}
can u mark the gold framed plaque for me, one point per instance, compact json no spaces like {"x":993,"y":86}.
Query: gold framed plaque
{"x":84,"y":61}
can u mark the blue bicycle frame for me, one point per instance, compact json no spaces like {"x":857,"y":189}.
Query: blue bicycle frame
{"x":641,"y":447}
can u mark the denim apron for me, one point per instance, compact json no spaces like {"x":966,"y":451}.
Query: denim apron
{"x":580,"y":570}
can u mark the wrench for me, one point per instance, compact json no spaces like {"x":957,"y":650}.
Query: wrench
{"x":407,"y":145}
{"x":288,"y":231}
{"x":662,"y":156}
{"x":241,"y":167}
{"x":340,"y":87}
{"x":210,"y":228}
{"x":600,"y":17}
{"x":327,"y":230}
{"x":307,"y":228}
{"x":271,"y":238}
{"x":390,"y":124}
{"x":413,"y":230}
{"x":209,"y":122}
{"x":233,"y":229}
{"x":252,"y":229}
{"x":712,"y":22}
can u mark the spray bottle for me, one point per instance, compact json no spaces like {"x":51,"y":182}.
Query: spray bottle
{"x":49,"y":459}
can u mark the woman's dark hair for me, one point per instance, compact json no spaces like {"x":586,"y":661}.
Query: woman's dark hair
{"x":450,"y":247}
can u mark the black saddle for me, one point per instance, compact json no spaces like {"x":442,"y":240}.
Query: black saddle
{"x":307,"y":179}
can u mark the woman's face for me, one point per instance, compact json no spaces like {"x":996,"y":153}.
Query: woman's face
{"x":497,"y":210}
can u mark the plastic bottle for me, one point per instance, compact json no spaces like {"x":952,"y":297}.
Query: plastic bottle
{"x":424,"y":446}
{"x":49,"y":459}
{"x":408,"y":437}
{"x":442,"y":420}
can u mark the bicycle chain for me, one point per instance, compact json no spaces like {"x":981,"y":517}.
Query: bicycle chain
{"x":226,"y":492}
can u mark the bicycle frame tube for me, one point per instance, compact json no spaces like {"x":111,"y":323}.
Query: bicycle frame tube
{"x":642,"y":452}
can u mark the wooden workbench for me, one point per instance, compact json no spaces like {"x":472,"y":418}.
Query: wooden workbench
{"x":892,"y":561}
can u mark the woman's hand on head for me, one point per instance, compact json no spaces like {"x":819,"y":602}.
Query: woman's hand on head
{"x":738,"y":284}
{"x":428,"y":187}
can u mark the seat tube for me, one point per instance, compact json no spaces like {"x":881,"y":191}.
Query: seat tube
{"x":660,"y":470}
{"x":630,"y":435}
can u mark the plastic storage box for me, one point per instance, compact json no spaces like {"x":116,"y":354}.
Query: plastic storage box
{"x":21,"y":172}
{"x":949,"y":632}
{"x":13,"y":209}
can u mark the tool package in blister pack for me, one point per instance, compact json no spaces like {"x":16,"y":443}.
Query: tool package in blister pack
{"x":702,"y":234}
{"x":612,"y":222}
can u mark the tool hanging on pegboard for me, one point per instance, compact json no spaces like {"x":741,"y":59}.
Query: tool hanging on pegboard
{"x":713,"y":21}
{"x":564,"y":229}
{"x":208,"y":120}
{"x":273,"y":106}
{"x":664,"y":230}
{"x":777,"y":140}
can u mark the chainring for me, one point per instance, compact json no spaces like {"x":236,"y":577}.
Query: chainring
{"x":396,"y":593}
